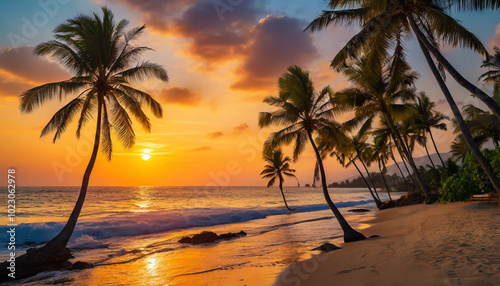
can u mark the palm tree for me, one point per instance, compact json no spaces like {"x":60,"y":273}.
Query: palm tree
{"x":425,"y":117}
{"x":492,"y":76}
{"x":276,"y":167}
{"x":376,"y":93}
{"x":383,"y":134}
{"x":304,"y":112}
{"x":339,"y":149}
{"x":99,"y":53}
{"x":384,"y":27}
{"x":379,"y":153}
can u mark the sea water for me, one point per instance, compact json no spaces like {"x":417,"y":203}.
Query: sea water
{"x":131,"y":233}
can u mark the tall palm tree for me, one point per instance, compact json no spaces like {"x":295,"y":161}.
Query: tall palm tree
{"x":377,"y":92}
{"x":303,"y":112}
{"x":277,"y":166}
{"x":424,"y":117}
{"x":99,"y":53}
{"x":386,"y":24}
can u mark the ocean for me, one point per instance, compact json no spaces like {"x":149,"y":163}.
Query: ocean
{"x":131,"y":233}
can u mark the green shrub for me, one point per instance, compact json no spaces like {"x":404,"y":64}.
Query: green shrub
{"x":470,"y":179}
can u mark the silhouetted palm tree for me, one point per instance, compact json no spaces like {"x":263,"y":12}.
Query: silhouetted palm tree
{"x":424,"y":117}
{"x":378,"y":93}
{"x":386,"y":24}
{"x":345,"y":152}
{"x":303,"y":112}
{"x":99,"y":54}
{"x":277,"y":166}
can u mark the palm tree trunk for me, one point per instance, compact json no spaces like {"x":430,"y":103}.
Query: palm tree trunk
{"x":283,"y":194}
{"x":435,"y":147}
{"x":385,"y":182}
{"x":406,"y":167}
{"x":461,"y":123}
{"x":377,"y":201}
{"x":407,"y":152}
{"x":349,"y":233}
{"x":61,"y":240}
{"x":397,"y":165}
{"x":429,"y":155}
{"x":369,"y":176}
{"x":488,"y":100}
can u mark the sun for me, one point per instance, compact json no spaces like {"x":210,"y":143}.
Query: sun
{"x":146,"y":157}
{"x":147,"y":151}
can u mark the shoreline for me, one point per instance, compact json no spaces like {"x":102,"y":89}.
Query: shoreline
{"x":438,"y":244}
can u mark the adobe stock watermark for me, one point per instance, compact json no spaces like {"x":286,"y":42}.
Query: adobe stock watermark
{"x":223,"y":6}
{"x":74,"y":156}
{"x":30,"y":26}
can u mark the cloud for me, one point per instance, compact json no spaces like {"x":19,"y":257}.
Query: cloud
{"x":278,"y":42}
{"x":21,"y":62}
{"x":240,"y":129}
{"x":179,"y":95}
{"x":156,"y":12}
{"x":200,"y":149}
{"x":21,"y":70}
{"x":216,"y":36}
{"x":214,"y":135}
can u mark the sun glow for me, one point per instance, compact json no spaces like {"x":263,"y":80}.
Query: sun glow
{"x":146,"y":157}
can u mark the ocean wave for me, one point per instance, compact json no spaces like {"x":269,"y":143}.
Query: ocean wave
{"x":89,"y":231}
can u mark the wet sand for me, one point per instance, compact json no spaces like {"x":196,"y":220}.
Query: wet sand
{"x":439,"y":244}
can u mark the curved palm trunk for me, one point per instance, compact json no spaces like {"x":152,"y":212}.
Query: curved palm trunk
{"x":376,"y":200}
{"x":387,"y":188}
{"x":61,"y":240}
{"x":283,"y":194}
{"x":435,"y":147}
{"x":369,"y":176}
{"x":349,"y":233}
{"x":461,"y":123}
{"x":54,"y":254}
{"x":406,"y":151}
{"x":397,"y":165}
{"x":486,"y":99}
{"x":436,"y":173}
{"x":429,"y":156}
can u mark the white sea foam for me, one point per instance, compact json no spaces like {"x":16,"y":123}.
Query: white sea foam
{"x":89,"y":231}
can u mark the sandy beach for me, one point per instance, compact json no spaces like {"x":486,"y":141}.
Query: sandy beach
{"x":439,"y":244}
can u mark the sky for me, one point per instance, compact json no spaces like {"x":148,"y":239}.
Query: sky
{"x":223,"y":57}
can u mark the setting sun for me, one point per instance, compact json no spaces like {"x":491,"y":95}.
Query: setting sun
{"x":146,"y":157}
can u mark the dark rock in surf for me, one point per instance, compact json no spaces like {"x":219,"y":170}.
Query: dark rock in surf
{"x":209,"y":236}
{"x":358,"y":210}
{"x":185,"y":239}
{"x":204,"y":237}
{"x":327,"y":247}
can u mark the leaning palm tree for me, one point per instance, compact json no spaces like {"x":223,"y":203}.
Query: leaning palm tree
{"x":345,"y":152}
{"x":386,"y":24}
{"x":303,"y":112}
{"x":377,"y":92}
{"x":99,"y":53}
{"x":424,"y":118}
{"x":277,"y":166}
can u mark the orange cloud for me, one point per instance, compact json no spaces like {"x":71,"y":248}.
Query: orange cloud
{"x":179,"y":95}
{"x":214,"y":135}
{"x":201,"y":149}
{"x":240,"y":129}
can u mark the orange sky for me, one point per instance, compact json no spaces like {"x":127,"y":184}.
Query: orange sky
{"x":220,"y":70}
